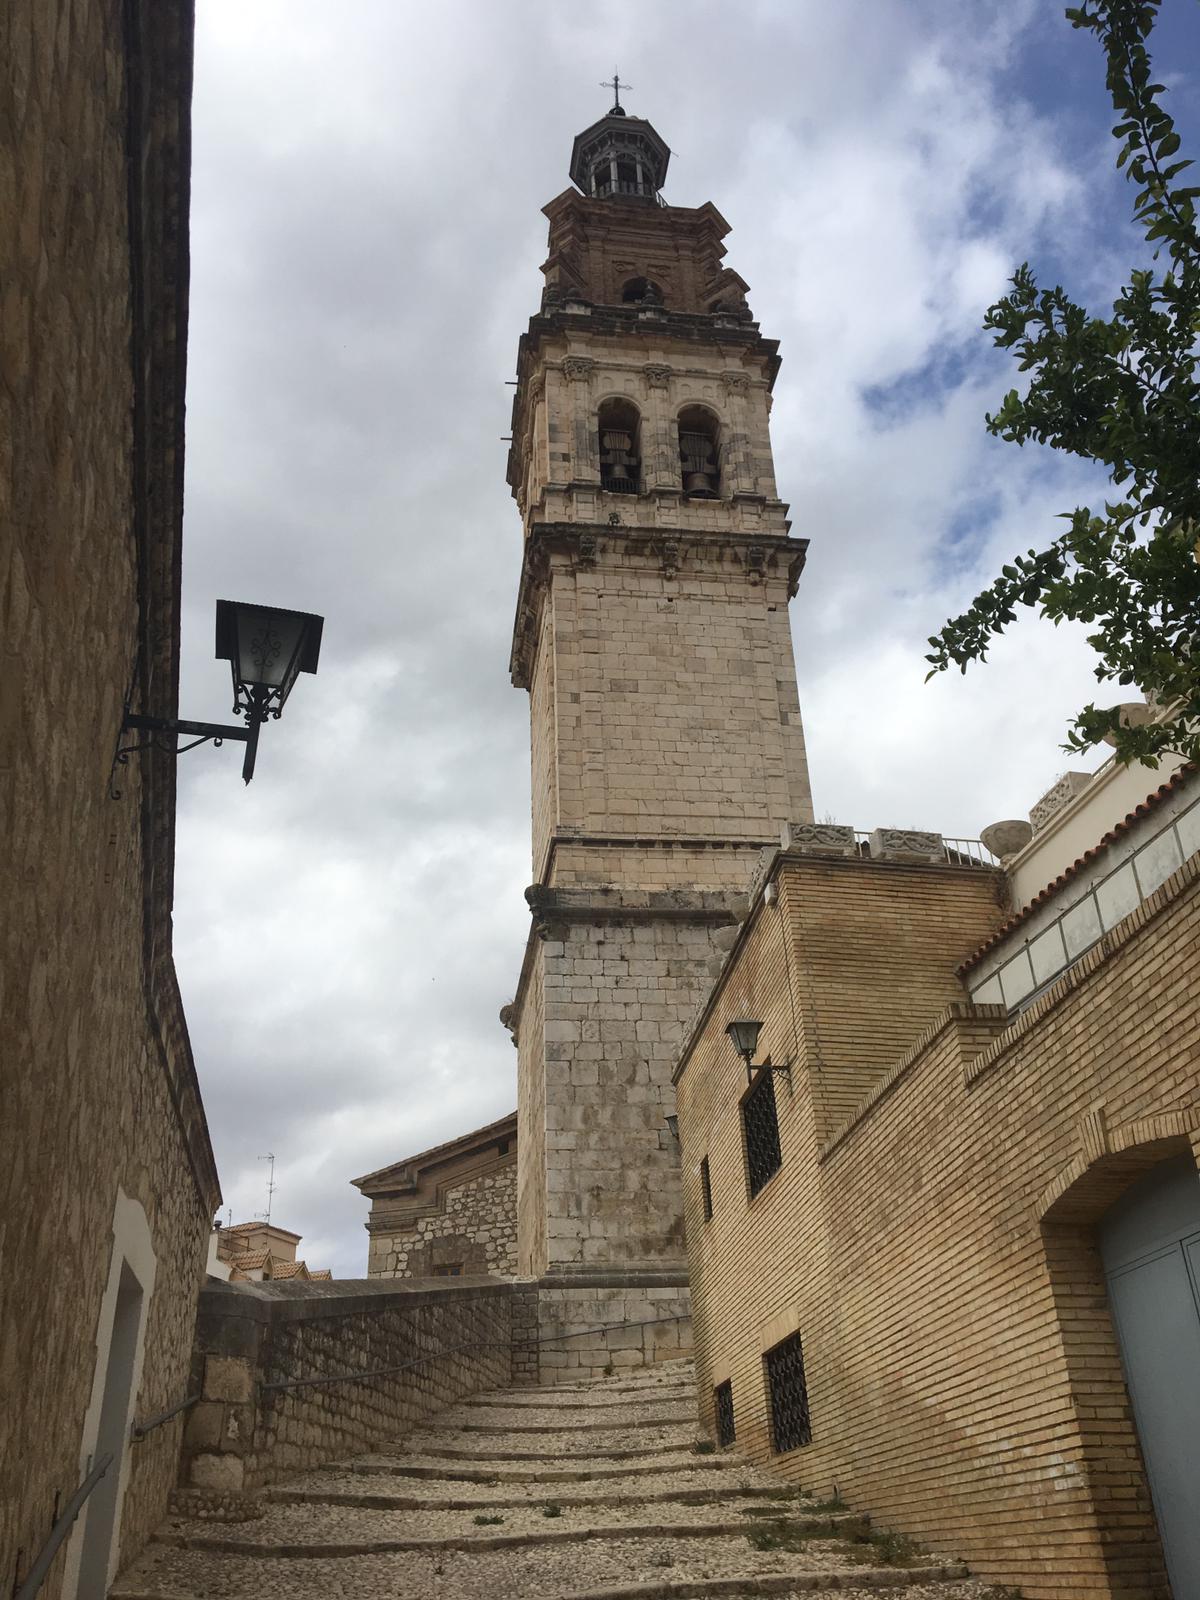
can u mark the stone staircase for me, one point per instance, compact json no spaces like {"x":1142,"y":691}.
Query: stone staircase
{"x":594,"y":1491}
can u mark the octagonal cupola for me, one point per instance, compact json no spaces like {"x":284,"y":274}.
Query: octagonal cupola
{"x":620,"y":157}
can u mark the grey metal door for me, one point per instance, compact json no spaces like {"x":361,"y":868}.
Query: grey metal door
{"x":1150,"y":1244}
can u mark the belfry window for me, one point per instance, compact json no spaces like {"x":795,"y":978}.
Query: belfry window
{"x":641,"y":292}
{"x":699,"y":453}
{"x":620,"y":462}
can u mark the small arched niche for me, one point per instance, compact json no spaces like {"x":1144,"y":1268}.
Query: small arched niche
{"x":700,"y":453}
{"x":641,"y":292}
{"x":618,"y":425}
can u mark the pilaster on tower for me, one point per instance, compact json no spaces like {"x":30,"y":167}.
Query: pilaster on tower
{"x":652,"y":635}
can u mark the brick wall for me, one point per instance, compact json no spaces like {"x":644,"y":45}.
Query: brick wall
{"x":936,"y":1251}
{"x":243,"y":1434}
{"x":100,"y":1099}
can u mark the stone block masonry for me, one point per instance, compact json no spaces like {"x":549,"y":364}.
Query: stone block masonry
{"x":448,"y":1341}
{"x":107,"y":1183}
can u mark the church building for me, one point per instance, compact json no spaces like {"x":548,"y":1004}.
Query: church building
{"x":651,"y":635}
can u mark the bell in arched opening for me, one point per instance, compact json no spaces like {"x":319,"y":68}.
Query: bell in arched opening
{"x":620,"y":458}
{"x":699,"y":457}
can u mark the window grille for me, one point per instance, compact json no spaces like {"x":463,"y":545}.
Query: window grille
{"x":723,"y":1397}
{"x":706,"y":1189}
{"x":452,"y":1269}
{"x":790,"y":1426}
{"x":761,"y":1124}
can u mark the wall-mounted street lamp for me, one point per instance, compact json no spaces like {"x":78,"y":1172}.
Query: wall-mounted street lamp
{"x":745,"y":1042}
{"x":672,"y":1120}
{"x":267,"y":648}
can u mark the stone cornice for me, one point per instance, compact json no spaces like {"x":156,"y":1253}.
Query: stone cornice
{"x":586,"y":544}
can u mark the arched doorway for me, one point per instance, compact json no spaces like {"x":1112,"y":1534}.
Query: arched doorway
{"x":1150,"y":1246}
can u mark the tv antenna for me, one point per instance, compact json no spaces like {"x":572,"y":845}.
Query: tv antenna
{"x":270,"y":1158}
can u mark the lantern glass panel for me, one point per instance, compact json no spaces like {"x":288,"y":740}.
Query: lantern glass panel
{"x":744,"y":1036}
{"x":269,"y":645}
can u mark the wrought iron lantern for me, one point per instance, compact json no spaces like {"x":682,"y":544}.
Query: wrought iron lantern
{"x":267,"y":648}
{"x":744,"y":1035}
{"x":672,"y":1120}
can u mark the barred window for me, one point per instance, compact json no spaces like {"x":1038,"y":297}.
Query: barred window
{"x":761,"y":1124}
{"x":790,"y":1426}
{"x":706,"y":1189}
{"x":723,"y":1399}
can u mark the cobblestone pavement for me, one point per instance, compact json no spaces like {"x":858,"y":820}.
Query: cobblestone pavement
{"x":586,"y":1492}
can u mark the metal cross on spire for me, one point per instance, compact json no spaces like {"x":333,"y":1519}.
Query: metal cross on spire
{"x":615,"y":85}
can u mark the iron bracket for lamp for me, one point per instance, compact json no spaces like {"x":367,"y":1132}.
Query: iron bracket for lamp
{"x":765,"y":1066}
{"x":199,"y":733}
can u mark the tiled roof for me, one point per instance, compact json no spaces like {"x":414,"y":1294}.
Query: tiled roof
{"x":252,"y":1227}
{"x":1174,"y":782}
{"x":249,"y":1260}
{"x":289,"y":1269}
{"x":323,"y":1276}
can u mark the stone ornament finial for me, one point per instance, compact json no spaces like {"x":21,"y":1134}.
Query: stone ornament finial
{"x":1004,"y":839}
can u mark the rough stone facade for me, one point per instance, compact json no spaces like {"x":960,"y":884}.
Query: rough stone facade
{"x":244,"y":1433}
{"x":666,"y":744}
{"x":930,"y":1233}
{"x":105,"y":1165}
{"x":449,"y":1211}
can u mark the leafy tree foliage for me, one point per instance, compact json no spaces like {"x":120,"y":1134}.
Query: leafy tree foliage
{"x":1121,"y":390}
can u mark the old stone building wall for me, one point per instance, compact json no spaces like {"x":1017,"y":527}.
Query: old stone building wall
{"x":934,"y":1247}
{"x":449,"y":1210}
{"x":435,"y":1344}
{"x":104,"y":1156}
{"x":666,"y":744}
{"x":474,"y":1231}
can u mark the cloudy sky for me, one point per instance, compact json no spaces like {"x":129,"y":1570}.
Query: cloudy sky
{"x":366,"y":238}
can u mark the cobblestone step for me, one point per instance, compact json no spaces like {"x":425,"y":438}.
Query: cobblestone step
{"x":288,"y":1533}
{"x":596,"y":1497}
{"x":582,"y":1470}
{"x":462,"y":1451}
{"x":758,"y":1494}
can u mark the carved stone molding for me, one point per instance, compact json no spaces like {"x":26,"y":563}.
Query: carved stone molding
{"x":906,"y":844}
{"x":819,"y":838}
{"x":588,"y":552}
{"x":657,"y":377}
{"x":670,"y":558}
{"x":578,"y":369}
{"x":736,"y":382}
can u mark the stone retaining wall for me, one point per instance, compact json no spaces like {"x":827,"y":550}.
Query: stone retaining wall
{"x":243,"y":1434}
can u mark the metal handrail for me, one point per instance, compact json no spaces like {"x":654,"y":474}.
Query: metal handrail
{"x":36,"y":1575}
{"x":139,"y":1430}
{"x":458,"y":1349}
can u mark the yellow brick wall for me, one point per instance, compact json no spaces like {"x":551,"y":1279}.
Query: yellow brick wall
{"x":937,"y":1256}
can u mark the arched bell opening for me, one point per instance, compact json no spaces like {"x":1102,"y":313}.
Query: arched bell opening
{"x":619,"y":423}
{"x":641,"y":292}
{"x":700,"y":453}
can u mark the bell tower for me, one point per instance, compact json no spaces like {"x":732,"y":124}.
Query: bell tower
{"x":652,"y":636}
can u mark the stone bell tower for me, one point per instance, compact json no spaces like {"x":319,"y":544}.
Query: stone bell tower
{"x":652,"y":635}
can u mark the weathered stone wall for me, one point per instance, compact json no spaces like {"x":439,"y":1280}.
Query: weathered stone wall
{"x":474,"y":1228}
{"x":589,"y":1329}
{"x":618,"y":987}
{"x":936,"y":1250}
{"x":243,"y":1435}
{"x":99,"y":1090}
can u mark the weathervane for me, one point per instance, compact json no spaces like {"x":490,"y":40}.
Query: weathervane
{"x":615,"y":85}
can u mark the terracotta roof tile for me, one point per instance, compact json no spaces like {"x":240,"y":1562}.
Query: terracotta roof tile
{"x":323,"y":1276}
{"x":1176,"y":781}
{"x":249,"y":1260}
{"x":289,"y":1269}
